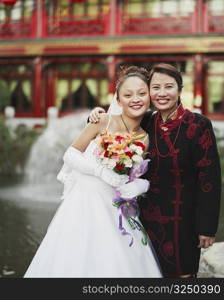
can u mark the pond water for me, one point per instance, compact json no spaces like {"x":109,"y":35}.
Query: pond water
{"x":22,"y":227}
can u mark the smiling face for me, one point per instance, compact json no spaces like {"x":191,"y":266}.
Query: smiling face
{"x":164,"y":92}
{"x":133,"y":96}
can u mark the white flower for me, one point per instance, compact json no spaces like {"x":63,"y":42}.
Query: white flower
{"x":139,"y":150}
{"x":137,"y":158}
{"x":133,"y":147}
{"x":128,"y":163}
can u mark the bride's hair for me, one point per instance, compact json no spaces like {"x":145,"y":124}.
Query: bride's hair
{"x":131,"y":71}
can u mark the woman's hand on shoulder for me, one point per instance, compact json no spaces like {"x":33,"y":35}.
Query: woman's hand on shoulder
{"x":206,"y":241}
{"x":96,"y":114}
{"x":90,"y":132}
{"x":101,"y":124}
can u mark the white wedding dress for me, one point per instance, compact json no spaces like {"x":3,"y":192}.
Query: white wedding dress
{"x":84,"y":240}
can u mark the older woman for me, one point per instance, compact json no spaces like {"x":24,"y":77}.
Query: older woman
{"x":181,"y":210}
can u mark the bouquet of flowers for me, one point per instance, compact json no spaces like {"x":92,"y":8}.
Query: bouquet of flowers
{"x":120,"y":151}
{"x":124,"y":153}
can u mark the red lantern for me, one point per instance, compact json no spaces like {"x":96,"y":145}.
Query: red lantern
{"x":9,"y":2}
{"x":8,"y":7}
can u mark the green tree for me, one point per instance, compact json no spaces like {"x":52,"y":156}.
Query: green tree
{"x":4,"y":95}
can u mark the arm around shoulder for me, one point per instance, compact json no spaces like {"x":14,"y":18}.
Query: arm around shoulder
{"x":95,"y":114}
{"x":89,"y":133}
{"x":146,"y":120}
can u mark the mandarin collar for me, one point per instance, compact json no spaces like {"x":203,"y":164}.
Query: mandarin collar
{"x":174,"y":117}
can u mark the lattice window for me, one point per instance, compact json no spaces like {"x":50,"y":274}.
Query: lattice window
{"x":158,"y":8}
{"x":21,"y":11}
{"x":85,"y":18}
{"x":16,"y":84}
{"x":158,"y":16}
{"x":215,"y":10}
{"x":216,"y":86}
{"x":80,"y":85}
{"x":216,"y":7}
{"x":88,"y":9}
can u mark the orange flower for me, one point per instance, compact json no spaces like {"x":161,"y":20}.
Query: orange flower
{"x":117,"y":147}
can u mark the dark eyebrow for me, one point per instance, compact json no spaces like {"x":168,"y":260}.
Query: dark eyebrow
{"x":165,"y":83}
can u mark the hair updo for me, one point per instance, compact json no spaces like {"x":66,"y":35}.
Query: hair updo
{"x":131,"y":71}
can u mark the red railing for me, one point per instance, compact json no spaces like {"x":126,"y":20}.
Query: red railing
{"x":69,"y":26}
{"x":214,"y":24}
{"x":200,"y":21}
{"x":157,"y":26}
{"x":17,"y":29}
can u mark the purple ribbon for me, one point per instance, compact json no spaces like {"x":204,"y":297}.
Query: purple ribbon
{"x":123,"y":231}
{"x":129,"y":207}
{"x":138,"y":170}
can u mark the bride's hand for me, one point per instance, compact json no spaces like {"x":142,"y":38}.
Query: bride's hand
{"x":94,"y":116}
{"x":110,"y":177}
{"x":134,"y":188}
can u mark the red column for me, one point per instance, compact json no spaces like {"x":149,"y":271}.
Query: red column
{"x":50,"y":93}
{"x":111,"y":63}
{"x":199,"y":27}
{"x":37,"y":19}
{"x":119,"y":18}
{"x":198,"y":80}
{"x":39,"y":14}
{"x":205,"y":19}
{"x":112,"y":18}
{"x":37,"y":95}
{"x":111,"y":73}
{"x":41,"y":19}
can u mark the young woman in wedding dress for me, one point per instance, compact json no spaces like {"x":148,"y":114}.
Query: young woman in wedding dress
{"x":83,"y":239}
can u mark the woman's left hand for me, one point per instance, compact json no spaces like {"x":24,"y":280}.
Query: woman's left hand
{"x":205,"y":241}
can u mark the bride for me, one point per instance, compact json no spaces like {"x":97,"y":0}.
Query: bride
{"x":83,"y":239}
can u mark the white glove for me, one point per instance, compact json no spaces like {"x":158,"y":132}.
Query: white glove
{"x":64,"y":173}
{"x":134,"y":188}
{"x":75,"y":159}
{"x":112,"y":178}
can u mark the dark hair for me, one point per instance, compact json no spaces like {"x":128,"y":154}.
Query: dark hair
{"x":169,"y":70}
{"x":131,"y":71}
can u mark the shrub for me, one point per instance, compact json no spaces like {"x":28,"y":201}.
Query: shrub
{"x":5,"y":95}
